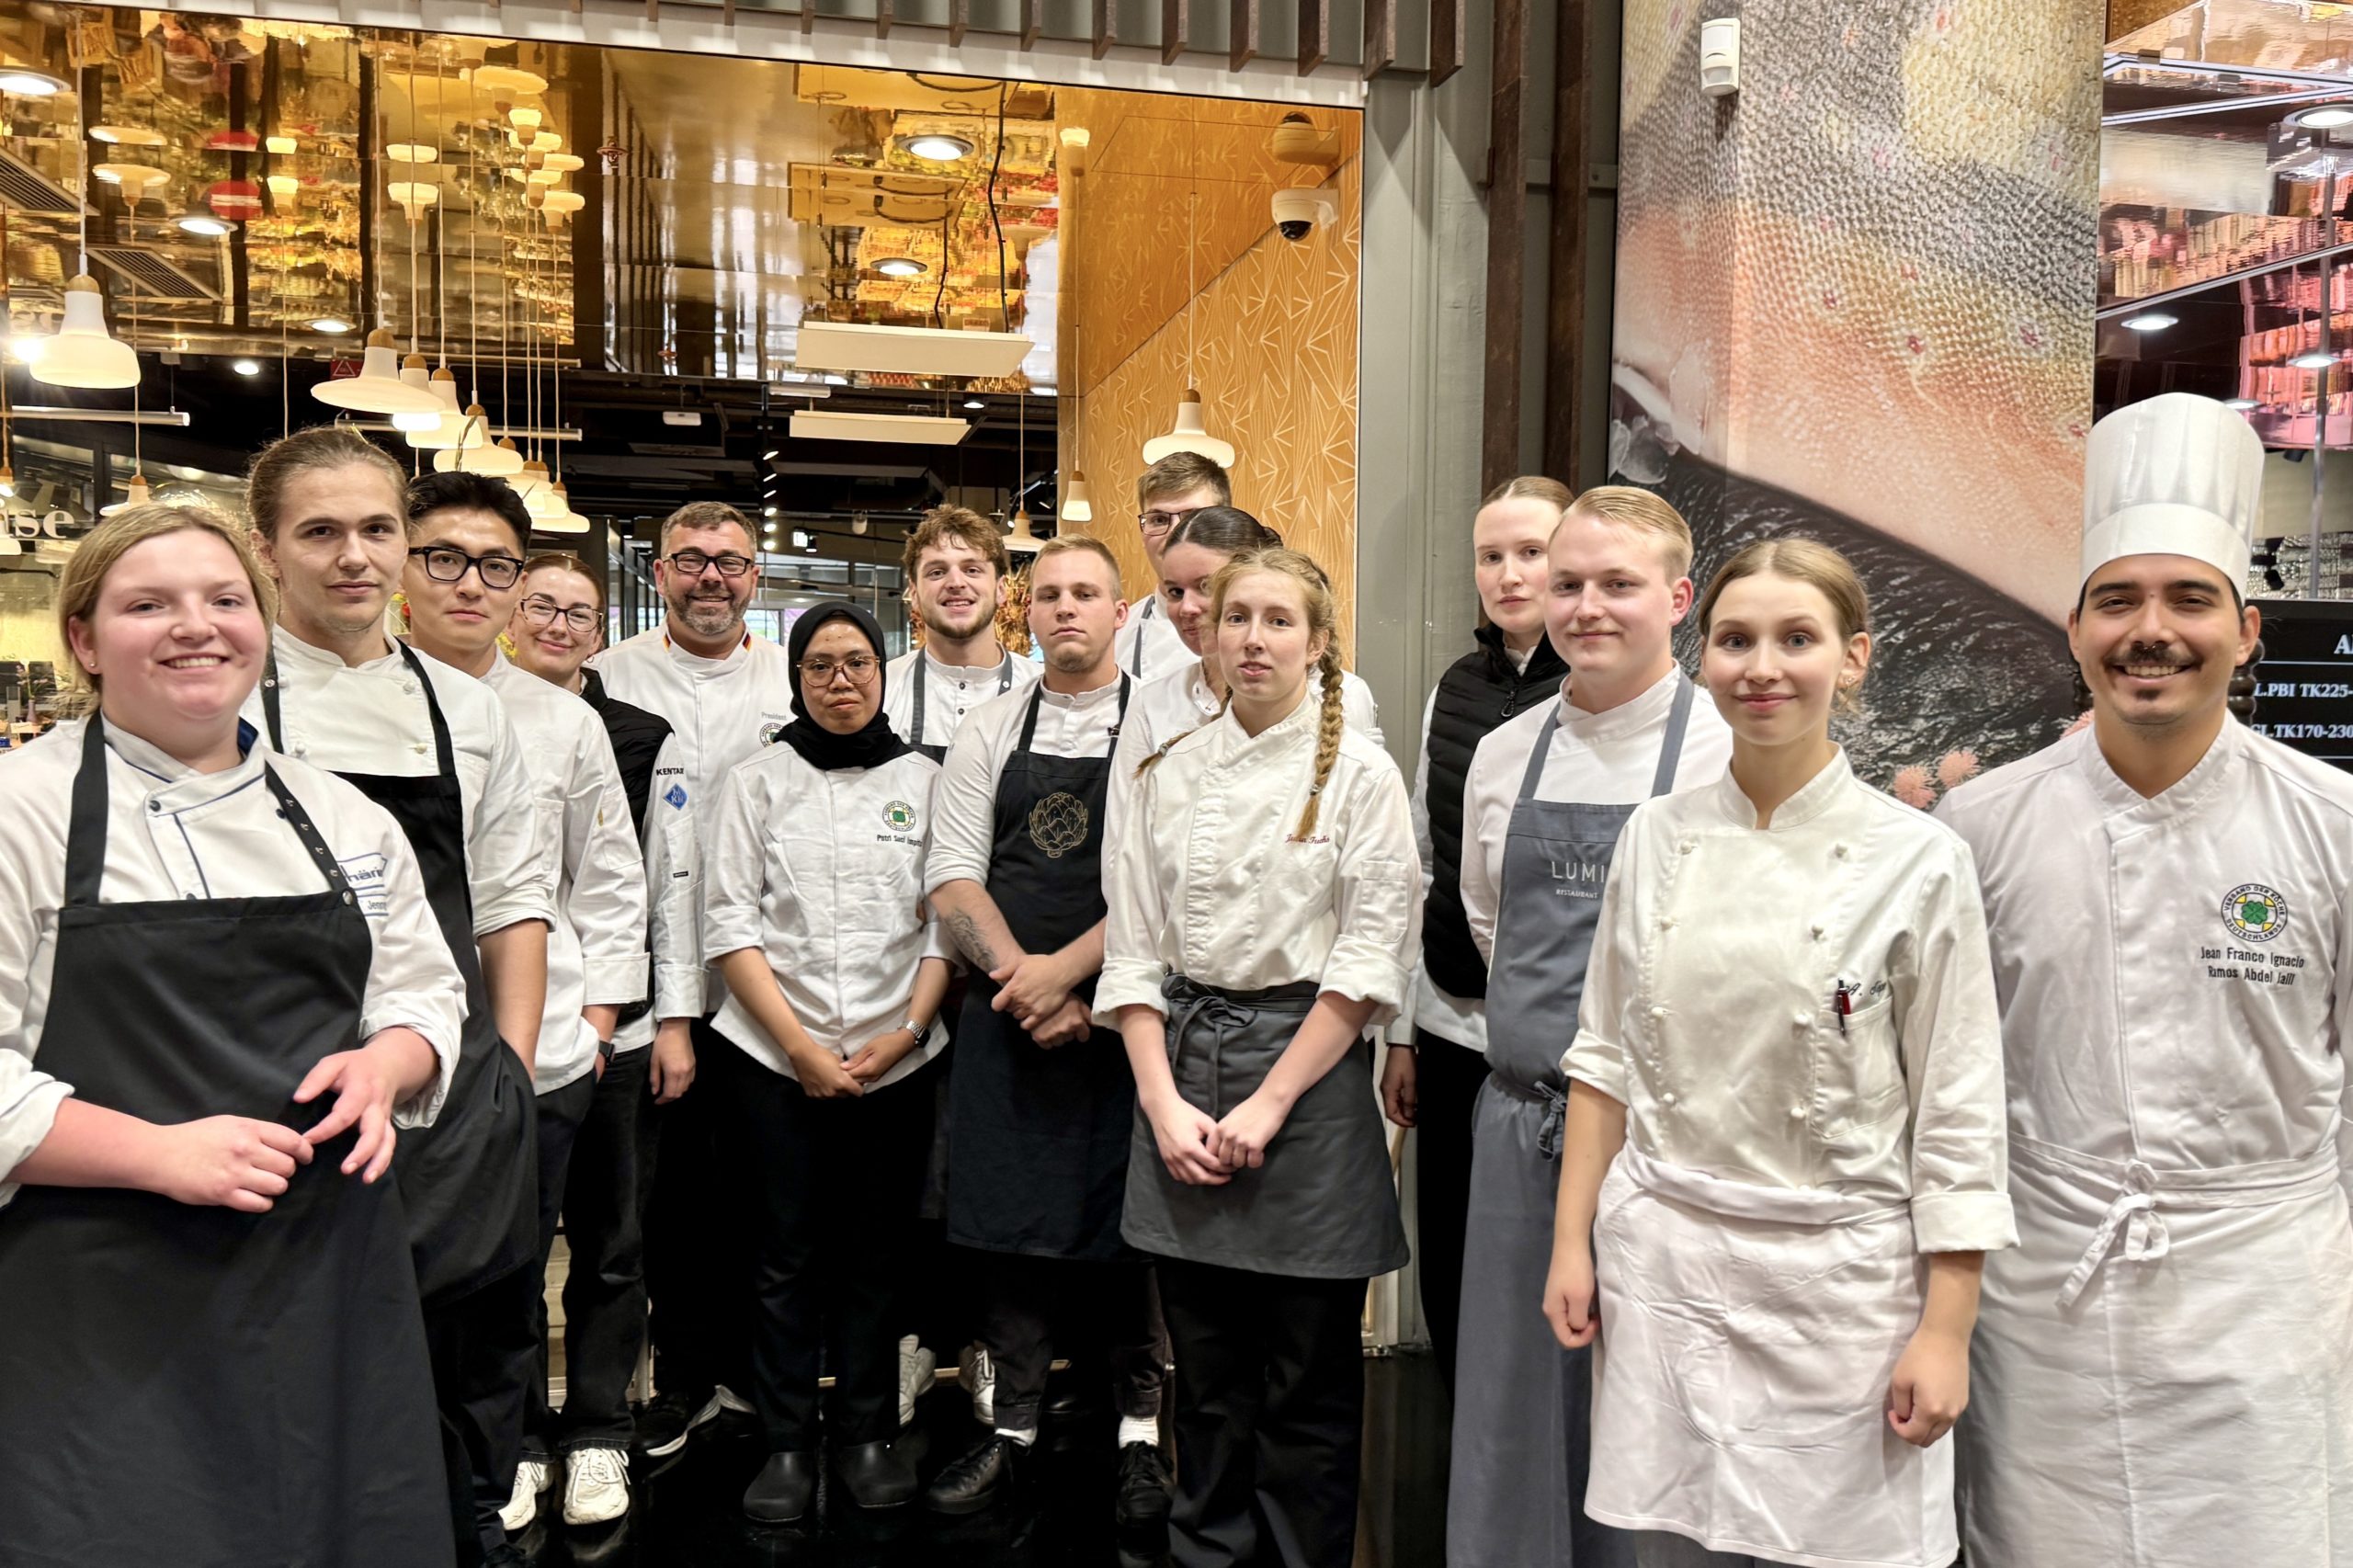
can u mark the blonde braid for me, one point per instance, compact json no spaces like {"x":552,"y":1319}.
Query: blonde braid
{"x":1328,"y":738}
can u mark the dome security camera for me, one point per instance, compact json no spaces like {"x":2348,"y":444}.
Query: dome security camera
{"x":1299,"y":209}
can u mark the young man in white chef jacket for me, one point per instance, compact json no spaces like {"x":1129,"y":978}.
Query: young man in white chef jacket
{"x":2164,"y":1366}
{"x":1166,"y":494}
{"x":727,"y":693}
{"x":957,"y":572}
{"x":1617,"y":585}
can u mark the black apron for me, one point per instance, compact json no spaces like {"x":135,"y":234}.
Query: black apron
{"x":471,"y":1179}
{"x":196,"y":1385}
{"x":1039,"y":1157}
{"x":915,"y":725}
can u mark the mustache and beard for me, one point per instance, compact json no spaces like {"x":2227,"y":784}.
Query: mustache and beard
{"x":708,"y":609}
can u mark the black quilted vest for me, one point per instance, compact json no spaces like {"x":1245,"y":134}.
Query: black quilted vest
{"x":1478,"y":692}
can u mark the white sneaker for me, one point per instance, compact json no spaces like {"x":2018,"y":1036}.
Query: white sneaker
{"x":917,"y":1367}
{"x":595,"y":1486}
{"x":724,"y":1398}
{"x":978,"y":1375}
{"x":531,"y":1478}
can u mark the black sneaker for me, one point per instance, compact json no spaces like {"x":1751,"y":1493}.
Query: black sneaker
{"x":664,"y":1423}
{"x":1144,"y":1484}
{"x":973,"y":1480}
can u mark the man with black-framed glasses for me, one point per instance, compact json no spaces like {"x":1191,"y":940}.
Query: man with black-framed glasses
{"x":727,"y":693}
{"x":1166,"y":494}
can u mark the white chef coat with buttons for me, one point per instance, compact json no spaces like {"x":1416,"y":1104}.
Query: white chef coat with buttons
{"x":963,"y":834}
{"x":173,"y":833}
{"x":721,"y":711}
{"x":2163,"y":1369}
{"x":1609,"y":758}
{"x":596,"y":949}
{"x":1710,"y":1007}
{"x":1150,"y":638}
{"x":372,"y":718}
{"x":674,"y":897}
{"x":951,"y":692}
{"x":1209,"y":884}
{"x":821,"y":870}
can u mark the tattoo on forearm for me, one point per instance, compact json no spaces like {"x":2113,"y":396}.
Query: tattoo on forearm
{"x":967,"y":933}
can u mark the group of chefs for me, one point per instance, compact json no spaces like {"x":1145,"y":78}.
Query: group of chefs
{"x":853,"y":1013}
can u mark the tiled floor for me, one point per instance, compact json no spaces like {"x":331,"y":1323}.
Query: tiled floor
{"x":688,"y":1515}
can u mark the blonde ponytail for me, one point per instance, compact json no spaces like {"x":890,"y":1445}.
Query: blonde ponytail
{"x":1328,"y":738}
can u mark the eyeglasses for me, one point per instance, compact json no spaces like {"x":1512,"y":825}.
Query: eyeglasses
{"x":1161,"y":522}
{"x":690,"y":563}
{"x":540,"y":610}
{"x":862,"y":668}
{"x":447,"y":564}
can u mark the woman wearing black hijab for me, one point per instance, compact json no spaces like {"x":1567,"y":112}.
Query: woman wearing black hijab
{"x":813,"y":883}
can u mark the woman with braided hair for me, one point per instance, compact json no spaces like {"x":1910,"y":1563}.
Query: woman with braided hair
{"x":1265,"y":915}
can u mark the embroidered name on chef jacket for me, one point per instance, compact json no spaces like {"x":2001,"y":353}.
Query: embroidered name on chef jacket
{"x":2255,"y":914}
{"x":366,"y":875}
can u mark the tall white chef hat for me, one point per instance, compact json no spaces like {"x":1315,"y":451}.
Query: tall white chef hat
{"x":2176,"y":475}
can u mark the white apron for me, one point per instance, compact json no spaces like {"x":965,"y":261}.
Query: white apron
{"x":1748,"y":1333}
{"x":2159,"y":1324}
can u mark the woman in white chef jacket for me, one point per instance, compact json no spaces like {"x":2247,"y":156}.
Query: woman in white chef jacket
{"x":221,"y":989}
{"x":1788,"y":1065}
{"x":1265,"y":914}
{"x":813,"y":910}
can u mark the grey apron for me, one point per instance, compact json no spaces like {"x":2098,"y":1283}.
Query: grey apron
{"x":1324,"y":1205}
{"x":1523,"y":1406}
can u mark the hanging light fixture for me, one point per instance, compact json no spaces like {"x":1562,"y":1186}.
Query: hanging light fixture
{"x":1021,"y":541}
{"x":377,"y":388}
{"x":562,"y":519}
{"x":1078,"y":506}
{"x":22,"y":81}
{"x":1189,"y":433}
{"x":83,"y":353}
{"x":937,"y":147}
{"x":135,"y":493}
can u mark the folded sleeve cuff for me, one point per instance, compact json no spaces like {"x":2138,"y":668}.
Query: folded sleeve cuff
{"x":32,"y":1113}
{"x":1366,"y":976}
{"x":1128,"y":982}
{"x":723,"y":935}
{"x":1598,"y":1063}
{"x":1962,"y":1221}
{"x":614,"y":981}
{"x":678,"y":990}
{"x":442,"y":1033}
{"x":512,"y":911}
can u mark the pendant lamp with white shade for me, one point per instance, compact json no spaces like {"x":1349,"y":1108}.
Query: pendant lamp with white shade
{"x":378,"y":388}
{"x":83,"y":353}
{"x":499,"y":460}
{"x":1021,"y":541}
{"x":1078,"y":506}
{"x":1189,"y":433}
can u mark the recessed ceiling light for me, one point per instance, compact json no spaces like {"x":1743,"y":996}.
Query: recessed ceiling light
{"x":2241,"y":404}
{"x":769,"y":456}
{"x":900,"y":266}
{"x":331,"y":325}
{"x":127,"y":135}
{"x":2315,"y":361}
{"x":774,"y":512}
{"x":39,"y":84}
{"x":974,"y":403}
{"x":206,"y":223}
{"x":2150,"y":321}
{"x":939,"y":147}
{"x":245,"y":367}
{"x":2325,"y":117}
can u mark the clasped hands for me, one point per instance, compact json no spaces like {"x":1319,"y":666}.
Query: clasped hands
{"x":1035,"y":989}
{"x":1200,"y":1150}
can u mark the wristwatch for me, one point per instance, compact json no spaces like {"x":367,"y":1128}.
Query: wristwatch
{"x":916,"y":1029}
{"x":605,"y":1048}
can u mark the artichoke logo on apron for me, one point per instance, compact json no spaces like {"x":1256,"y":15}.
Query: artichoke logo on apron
{"x":1058,"y":824}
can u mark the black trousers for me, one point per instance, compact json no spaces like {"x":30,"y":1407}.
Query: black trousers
{"x":1447,"y":1079}
{"x":835,"y":1183}
{"x":484,"y":1351}
{"x":1269,"y":1416}
{"x":697,"y":1268}
{"x":604,"y":1293}
{"x":1097,"y":1314}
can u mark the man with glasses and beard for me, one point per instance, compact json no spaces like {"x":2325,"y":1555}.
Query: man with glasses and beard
{"x":727,"y":693}
{"x":1169,"y":491}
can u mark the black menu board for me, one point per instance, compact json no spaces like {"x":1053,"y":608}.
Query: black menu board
{"x":2303,"y":688}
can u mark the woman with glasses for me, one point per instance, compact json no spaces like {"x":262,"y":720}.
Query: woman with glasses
{"x":812,"y":893}
{"x":468,"y":535}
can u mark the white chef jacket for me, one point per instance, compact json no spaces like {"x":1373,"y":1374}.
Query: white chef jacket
{"x":1152,"y":637}
{"x":721,"y":711}
{"x":1609,"y":758}
{"x":821,"y":870}
{"x":963,"y":833}
{"x":173,"y":833}
{"x":1709,"y":1009}
{"x":1210,"y":885}
{"x":674,"y":896}
{"x":372,"y":718}
{"x":951,"y":692}
{"x":597,"y":948}
{"x":2175,"y":976}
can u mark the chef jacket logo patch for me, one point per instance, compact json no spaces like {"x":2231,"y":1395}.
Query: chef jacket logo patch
{"x":900,"y":815}
{"x":1058,"y":824}
{"x":770,"y":730}
{"x":676,"y":796}
{"x":2254,"y":913}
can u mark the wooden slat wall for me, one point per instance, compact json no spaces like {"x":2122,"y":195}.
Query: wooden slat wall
{"x":1447,"y":39}
{"x":1106,"y":28}
{"x":1176,"y":26}
{"x":1380,"y":37}
{"x":1507,"y":229}
{"x":1314,"y":34}
{"x":1241,"y":31}
{"x":1565,"y":313}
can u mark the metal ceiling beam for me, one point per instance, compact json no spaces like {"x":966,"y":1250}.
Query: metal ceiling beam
{"x":2167,"y":296}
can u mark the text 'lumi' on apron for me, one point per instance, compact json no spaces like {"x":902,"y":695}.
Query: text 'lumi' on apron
{"x":196,"y":1385}
{"x":1038,"y":1156}
{"x":470,"y":1180}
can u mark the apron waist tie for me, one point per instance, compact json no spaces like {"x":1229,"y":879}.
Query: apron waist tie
{"x":1224,"y":1010}
{"x":1752,"y":1200}
{"x":2134,"y":1211}
{"x":1551,"y":1101}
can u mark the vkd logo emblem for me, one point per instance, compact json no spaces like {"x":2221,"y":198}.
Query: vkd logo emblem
{"x":676,"y":795}
{"x":2254,"y":913}
{"x":900,"y":815}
